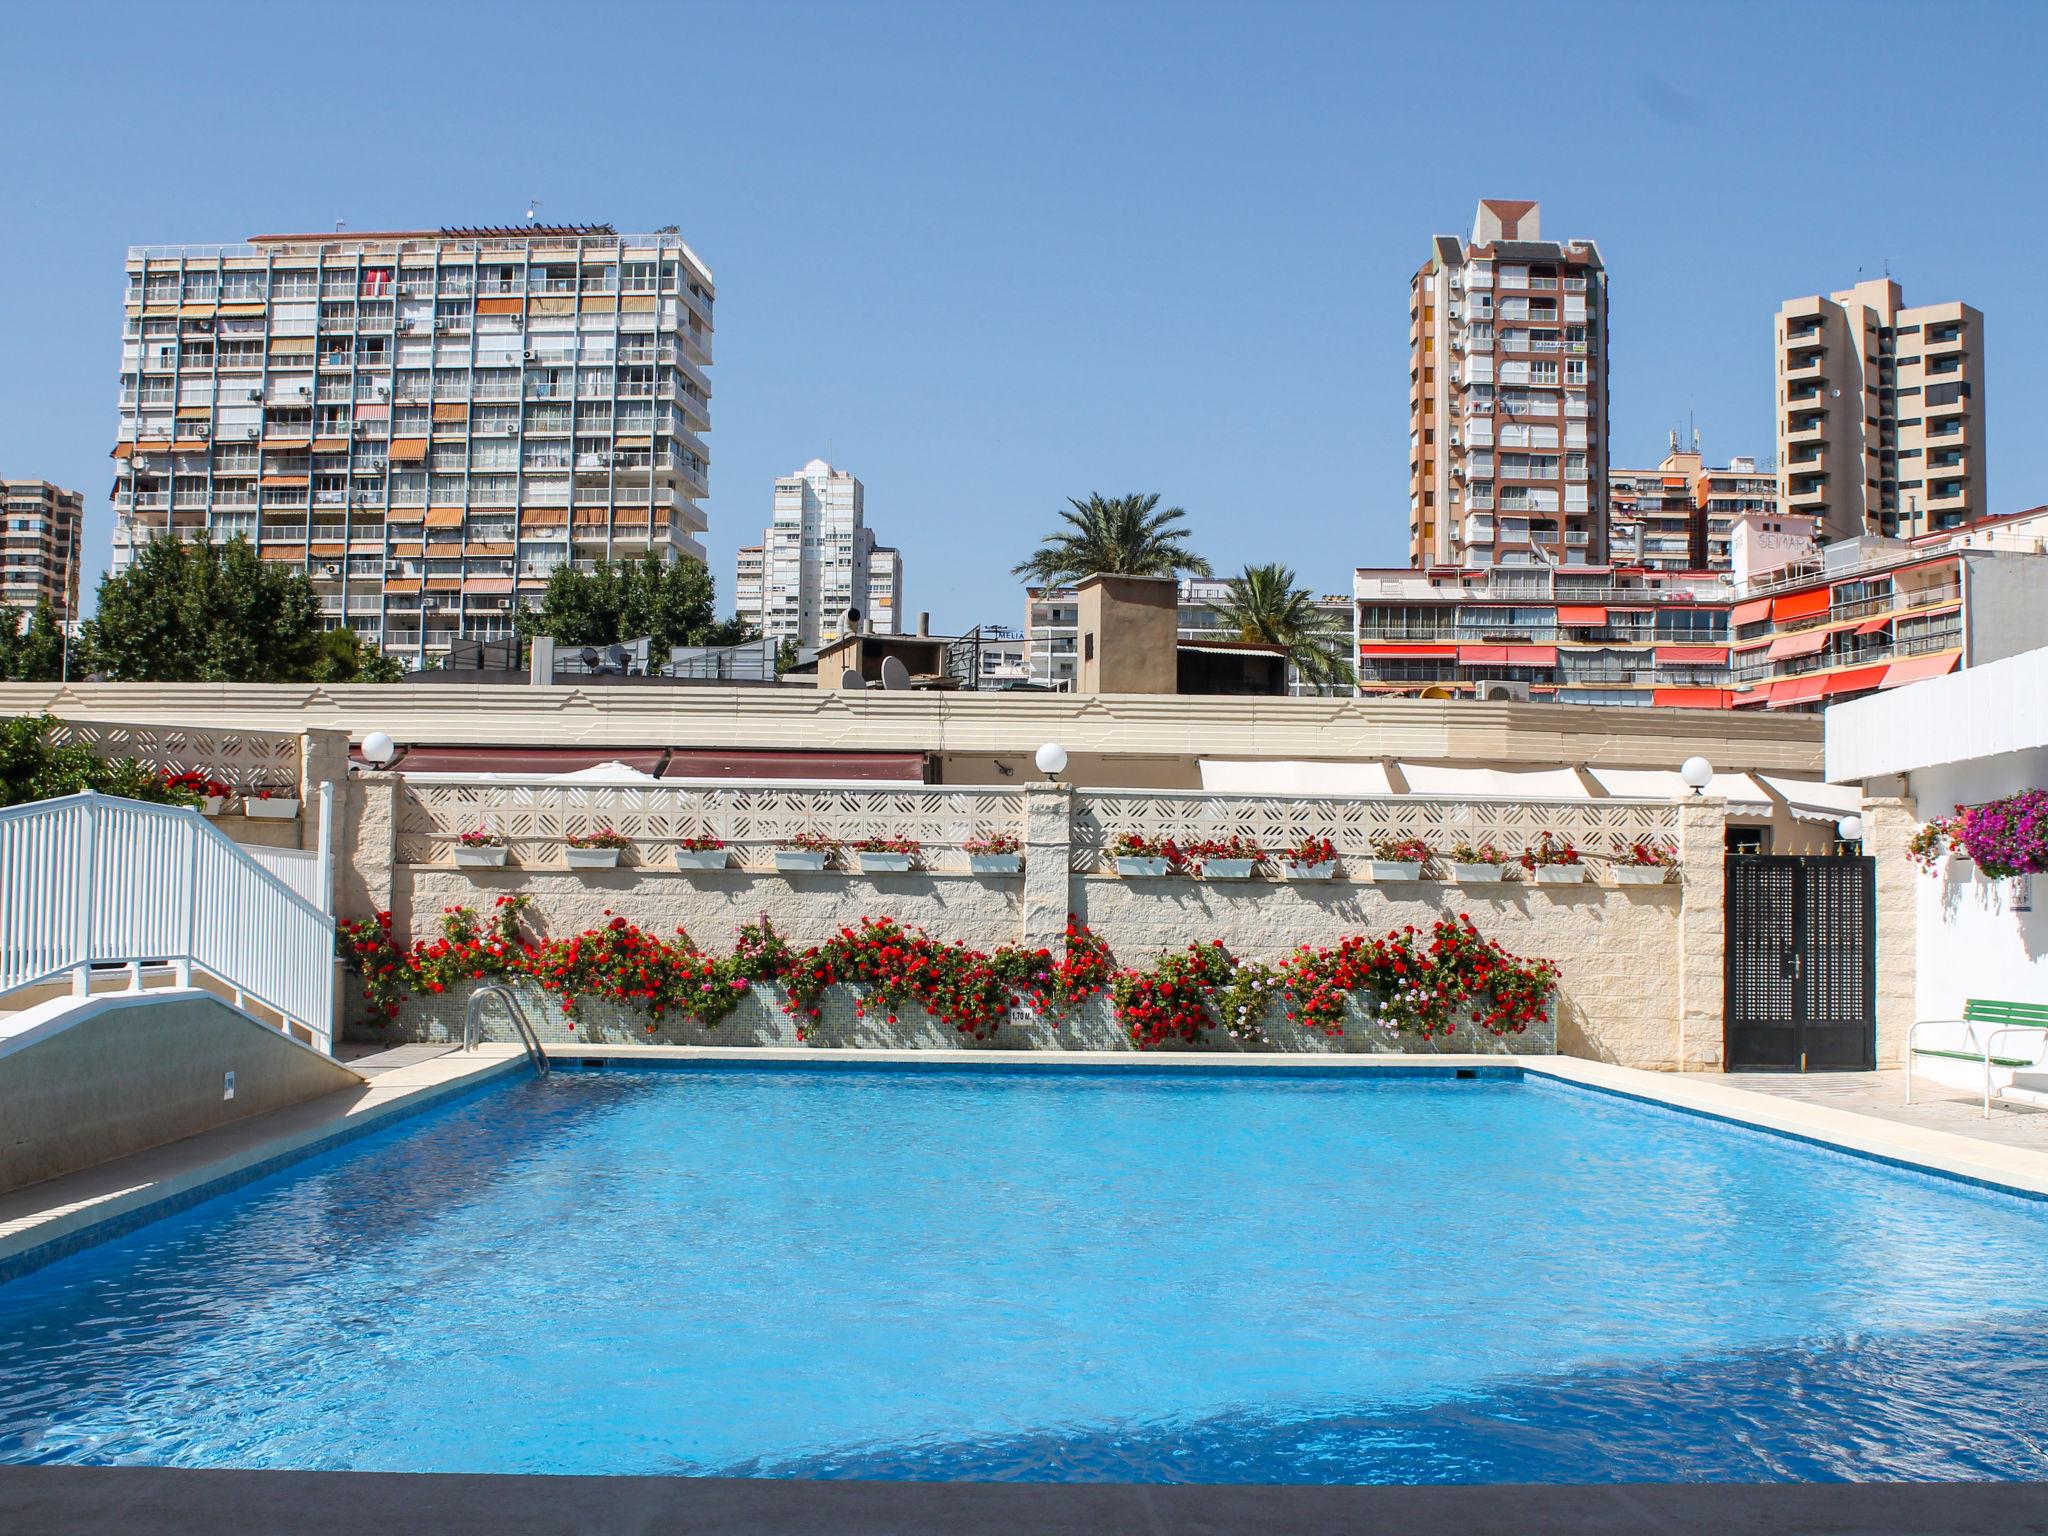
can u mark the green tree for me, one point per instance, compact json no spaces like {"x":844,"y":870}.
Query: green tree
{"x":343,"y":656}
{"x":672,"y":602}
{"x":1264,"y":605}
{"x":204,"y":613}
{"x":34,"y":654}
{"x":785,"y":655}
{"x":1113,"y":536}
{"x":33,"y":768}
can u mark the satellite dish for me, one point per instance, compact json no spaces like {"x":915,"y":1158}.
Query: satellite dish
{"x":852,"y":679}
{"x":895,"y":675}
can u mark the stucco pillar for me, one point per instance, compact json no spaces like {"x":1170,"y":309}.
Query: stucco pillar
{"x":1702,"y":937}
{"x":1048,"y":856}
{"x":1888,"y":825}
{"x":367,"y":856}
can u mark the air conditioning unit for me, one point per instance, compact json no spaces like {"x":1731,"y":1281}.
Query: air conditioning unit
{"x":330,"y":568}
{"x":1501,"y":689}
{"x":252,"y":433}
{"x":529,"y":356}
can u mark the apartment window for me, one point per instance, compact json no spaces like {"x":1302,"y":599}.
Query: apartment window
{"x":1947,"y":394}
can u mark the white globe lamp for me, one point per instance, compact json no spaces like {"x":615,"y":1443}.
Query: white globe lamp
{"x":1850,"y":829}
{"x":1052,"y":760}
{"x":1697,"y":773}
{"x":379,"y":748}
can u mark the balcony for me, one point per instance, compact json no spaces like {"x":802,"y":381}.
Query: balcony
{"x":1807,"y":498}
{"x":1804,"y":364}
{"x":1806,"y":429}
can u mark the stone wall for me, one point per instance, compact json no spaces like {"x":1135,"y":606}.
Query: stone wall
{"x":1641,"y":965}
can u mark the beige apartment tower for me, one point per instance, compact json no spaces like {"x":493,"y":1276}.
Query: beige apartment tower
{"x":1880,"y":413}
{"x":1507,"y":397}
{"x":41,"y":526}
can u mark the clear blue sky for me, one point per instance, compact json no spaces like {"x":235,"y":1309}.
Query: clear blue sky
{"x":986,"y":257}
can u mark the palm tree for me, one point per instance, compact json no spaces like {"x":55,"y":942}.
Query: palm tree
{"x":1113,"y":536}
{"x":1265,"y":606}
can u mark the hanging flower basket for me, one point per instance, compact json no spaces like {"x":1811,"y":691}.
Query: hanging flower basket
{"x":994,"y":853}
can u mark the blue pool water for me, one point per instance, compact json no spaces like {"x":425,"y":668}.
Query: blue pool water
{"x":864,"y":1272}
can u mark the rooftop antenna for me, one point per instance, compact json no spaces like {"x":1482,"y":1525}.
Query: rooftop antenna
{"x":533,"y":207}
{"x":340,"y":225}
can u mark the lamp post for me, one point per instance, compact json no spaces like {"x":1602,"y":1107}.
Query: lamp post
{"x":379,"y":749}
{"x":1697,"y":773}
{"x":1051,"y":760}
{"x":1850,"y":829}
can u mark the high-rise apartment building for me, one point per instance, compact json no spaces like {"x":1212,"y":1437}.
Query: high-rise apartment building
{"x":41,"y":528}
{"x":1507,"y":397}
{"x":817,"y":562}
{"x":1680,"y":516}
{"x":1880,"y":413}
{"x":427,"y":422}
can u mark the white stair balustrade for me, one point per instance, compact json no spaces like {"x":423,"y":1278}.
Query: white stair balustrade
{"x":94,"y":881}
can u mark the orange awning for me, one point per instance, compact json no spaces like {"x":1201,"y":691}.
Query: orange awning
{"x":1370,"y":652}
{"x":444,"y":517}
{"x":1919,"y":667}
{"x":1691,"y":698}
{"x":1749,"y":613}
{"x":408,"y":448}
{"x":401,"y":584}
{"x":123,"y":450}
{"x":1532,"y":655}
{"x":1800,"y":605}
{"x":490,"y":584}
{"x":1568,"y":613}
{"x":500,"y":306}
{"x":1482,"y":655}
{"x":1692,"y":655}
{"x":1856,"y":680}
{"x":454,"y":411}
{"x":1806,"y":644}
{"x":1798,"y":690}
{"x":1873,"y":626}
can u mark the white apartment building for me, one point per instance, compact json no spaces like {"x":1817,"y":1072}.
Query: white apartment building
{"x":1507,"y":397}
{"x":426,"y":422}
{"x":816,"y":562}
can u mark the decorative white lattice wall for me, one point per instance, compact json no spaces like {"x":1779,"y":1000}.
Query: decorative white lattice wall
{"x":247,"y":760}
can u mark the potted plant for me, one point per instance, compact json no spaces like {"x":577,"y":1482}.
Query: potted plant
{"x":1310,"y":858}
{"x":1554,"y":861}
{"x":1400,"y":858}
{"x":595,"y":850}
{"x":700,"y":852}
{"x":806,"y":853}
{"x":2006,"y":837}
{"x":1225,"y":858}
{"x":1936,"y":841}
{"x":887,"y":855}
{"x":1480,"y":864}
{"x":209,"y":795}
{"x":481,"y":848}
{"x":1644,"y":863}
{"x":994,"y":853}
{"x":1146,"y":858}
{"x":270,"y":805}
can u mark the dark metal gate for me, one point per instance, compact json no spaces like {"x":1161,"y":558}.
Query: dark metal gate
{"x":1802,"y":964}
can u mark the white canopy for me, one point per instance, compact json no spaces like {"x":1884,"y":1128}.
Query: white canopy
{"x":1750,"y":794}
{"x":1225,"y":776}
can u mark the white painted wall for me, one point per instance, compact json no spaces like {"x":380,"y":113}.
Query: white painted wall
{"x":1974,"y":942}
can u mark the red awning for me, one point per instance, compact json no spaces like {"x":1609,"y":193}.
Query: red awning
{"x":1371,"y":652}
{"x":1569,"y":614}
{"x":759,"y":763}
{"x":1796,"y":605}
{"x":1691,"y":698}
{"x":1798,"y":690}
{"x":1532,"y":656}
{"x":1482,"y":655}
{"x":1873,"y":626}
{"x":1920,"y":667}
{"x":1805,"y":644}
{"x":1749,"y":613}
{"x":1692,"y":655}
{"x":1856,"y":680}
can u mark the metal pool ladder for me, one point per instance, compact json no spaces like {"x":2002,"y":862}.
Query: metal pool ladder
{"x":521,"y":1025}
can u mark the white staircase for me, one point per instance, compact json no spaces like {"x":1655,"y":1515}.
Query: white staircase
{"x":91,"y":885}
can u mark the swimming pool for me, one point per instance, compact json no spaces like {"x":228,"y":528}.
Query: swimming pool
{"x":1152,"y":1275}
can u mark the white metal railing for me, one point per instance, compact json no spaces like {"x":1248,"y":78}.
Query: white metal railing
{"x":91,"y":880}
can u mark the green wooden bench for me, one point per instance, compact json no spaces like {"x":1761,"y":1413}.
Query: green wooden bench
{"x":1988,"y":1025}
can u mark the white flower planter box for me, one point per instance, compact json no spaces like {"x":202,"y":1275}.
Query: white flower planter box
{"x":481,"y":858}
{"x":273,"y":809}
{"x":1142,"y":868}
{"x":995,"y":863}
{"x":800,"y":861}
{"x":591,"y":858}
{"x":885,"y":863}
{"x":1480,"y":874}
{"x":1395,"y":869}
{"x":213,"y":805}
{"x":1560,"y":874}
{"x":700,"y":858}
{"x":1228,"y":869}
{"x":1327,"y":870}
{"x":1641,"y":874}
